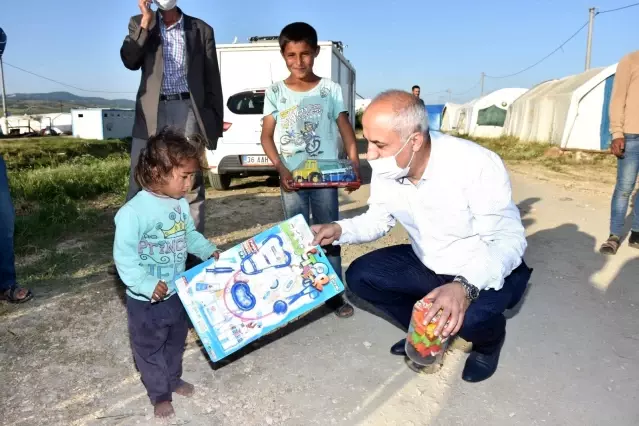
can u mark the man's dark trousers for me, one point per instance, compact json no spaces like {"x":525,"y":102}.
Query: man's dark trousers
{"x":393,"y":279}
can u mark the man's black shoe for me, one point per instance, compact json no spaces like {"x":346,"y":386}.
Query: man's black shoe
{"x":482,"y":363}
{"x":633,"y":241}
{"x":399,"y":348}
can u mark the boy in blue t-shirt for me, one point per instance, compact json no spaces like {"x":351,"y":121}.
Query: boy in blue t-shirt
{"x":304,"y":113}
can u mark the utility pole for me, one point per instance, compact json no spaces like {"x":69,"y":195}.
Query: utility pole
{"x":483,"y":74}
{"x":4,"y":100}
{"x":591,"y":24}
{"x":3,"y":45}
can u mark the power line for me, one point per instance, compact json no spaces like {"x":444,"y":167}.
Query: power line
{"x":64,"y":84}
{"x":617,"y":9}
{"x":466,"y":91}
{"x":562,"y":44}
{"x":544,"y":58}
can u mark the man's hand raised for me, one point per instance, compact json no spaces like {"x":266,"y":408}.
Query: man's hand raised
{"x":147,"y":13}
{"x":326,"y":234}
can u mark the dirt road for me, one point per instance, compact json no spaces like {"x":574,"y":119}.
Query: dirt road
{"x":571,"y":356}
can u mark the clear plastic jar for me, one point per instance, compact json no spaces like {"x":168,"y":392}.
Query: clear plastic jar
{"x":423,"y":348}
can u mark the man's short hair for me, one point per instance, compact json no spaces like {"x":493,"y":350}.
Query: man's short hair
{"x":298,"y":32}
{"x":409,"y":112}
{"x":416,"y":87}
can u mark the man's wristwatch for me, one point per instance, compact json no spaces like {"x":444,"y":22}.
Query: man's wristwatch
{"x":472,"y":292}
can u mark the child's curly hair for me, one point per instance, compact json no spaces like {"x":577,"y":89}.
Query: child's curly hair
{"x":163,"y":152}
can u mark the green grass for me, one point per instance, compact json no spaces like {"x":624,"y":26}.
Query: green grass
{"x":63,"y":187}
{"x":30,"y":153}
{"x":512,"y":150}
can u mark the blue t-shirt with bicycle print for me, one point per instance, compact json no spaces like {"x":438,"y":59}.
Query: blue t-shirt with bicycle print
{"x":306,"y":121}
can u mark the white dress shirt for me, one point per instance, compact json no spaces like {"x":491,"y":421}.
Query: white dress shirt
{"x":460,"y":217}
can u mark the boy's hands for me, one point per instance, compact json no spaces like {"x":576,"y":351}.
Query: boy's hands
{"x":357,"y":175}
{"x":161,"y":289}
{"x":216,"y":255}
{"x":286,"y":179}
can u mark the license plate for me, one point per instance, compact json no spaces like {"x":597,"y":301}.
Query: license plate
{"x":256,"y":160}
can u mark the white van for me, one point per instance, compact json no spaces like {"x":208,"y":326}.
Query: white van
{"x":247,"y":70}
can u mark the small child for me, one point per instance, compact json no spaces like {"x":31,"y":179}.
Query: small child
{"x":309,"y":110}
{"x":154,"y":232}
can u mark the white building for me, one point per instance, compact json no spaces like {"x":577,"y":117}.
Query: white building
{"x":59,"y":121}
{"x":571,"y":112}
{"x":102,"y":123}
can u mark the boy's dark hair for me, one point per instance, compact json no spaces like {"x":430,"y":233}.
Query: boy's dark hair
{"x":165,"y":151}
{"x":298,"y":32}
{"x":416,"y":87}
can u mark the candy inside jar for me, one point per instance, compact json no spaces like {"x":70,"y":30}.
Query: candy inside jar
{"x":422,"y":346}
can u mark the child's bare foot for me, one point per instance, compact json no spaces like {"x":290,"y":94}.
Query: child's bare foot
{"x":185,"y":389}
{"x":164,"y":410}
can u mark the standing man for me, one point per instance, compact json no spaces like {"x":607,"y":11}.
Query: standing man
{"x":453,"y":197}
{"x":179,"y":86}
{"x":416,"y":91}
{"x":624,"y":126}
{"x":9,"y":289}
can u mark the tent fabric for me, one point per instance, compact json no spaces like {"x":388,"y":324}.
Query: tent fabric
{"x":434,"y":116}
{"x":566,"y":112}
{"x":450,"y":116}
{"x":604,"y":129}
{"x":469,"y":115}
{"x":491,"y":116}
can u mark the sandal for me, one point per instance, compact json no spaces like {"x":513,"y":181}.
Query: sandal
{"x":345,"y":311}
{"x":611,"y":245}
{"x":11,"y":295}
{"x":340,"y":306}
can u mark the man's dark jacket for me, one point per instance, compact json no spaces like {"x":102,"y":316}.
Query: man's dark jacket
{"x":142,"y":49}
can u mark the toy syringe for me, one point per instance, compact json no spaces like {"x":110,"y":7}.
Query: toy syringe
{"x":213,"y":287}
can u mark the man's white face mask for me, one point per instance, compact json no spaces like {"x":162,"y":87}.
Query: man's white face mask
{"x":165,"y":4}
{"x":387,"y":167}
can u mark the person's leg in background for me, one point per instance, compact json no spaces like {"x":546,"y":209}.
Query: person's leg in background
{"x":137,"y":145}
{"x":9,"y":289}
{"x":633,"y":140}
{"x":324,"y":204}
{"x":179,"y":115}
{"x":627,"y":169}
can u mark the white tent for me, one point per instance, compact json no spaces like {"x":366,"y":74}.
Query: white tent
{"x":571,"y":112}
{"x":484,"y":117}
{"x":450,"y":116}
{"x":464,"y":116}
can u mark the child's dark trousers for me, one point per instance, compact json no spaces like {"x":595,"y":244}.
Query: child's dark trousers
{"x":158,"y":336}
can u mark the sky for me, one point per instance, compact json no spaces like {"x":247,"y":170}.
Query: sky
{"x":391,"y":43}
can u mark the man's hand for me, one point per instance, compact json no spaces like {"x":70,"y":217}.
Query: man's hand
{"x":147,"y":13}
{"x":160,"y":291}
{"x":452,"y":299}
{"x":286,"y":180}
{"x":326,"y":234}
{"x":216,"y":255}
{"x":618,"y":146}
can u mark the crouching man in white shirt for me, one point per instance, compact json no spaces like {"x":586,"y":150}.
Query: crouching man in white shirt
{"x":454,"y":199}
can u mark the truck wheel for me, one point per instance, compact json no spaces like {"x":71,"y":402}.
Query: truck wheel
{"x":315,"y":177}
{"x":219,"y":182}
